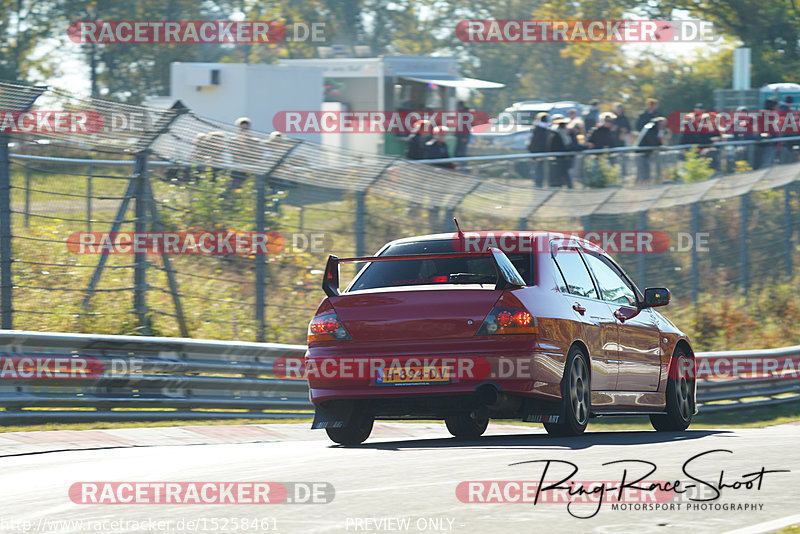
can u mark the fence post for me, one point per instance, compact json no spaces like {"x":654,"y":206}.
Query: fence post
{"x":171,"y":280}
{"x":641,"y":260}
{"x":694,"y":228}
{"x":6,"y":283}
{"x":89,"y":198}
{"x":361,"y":230}
{"x":27,"y":196}
{"x":743,"y":266}
{"x":261,"y":259}
{"x":787,"y":225}
{"x":136,"y":189}
{"x":140,"y":260}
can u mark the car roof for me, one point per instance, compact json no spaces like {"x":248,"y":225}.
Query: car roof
{"x":516,"y":233}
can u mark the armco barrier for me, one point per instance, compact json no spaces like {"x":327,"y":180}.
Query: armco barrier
{"x":147,"y":378}
{"x":159,"y":378}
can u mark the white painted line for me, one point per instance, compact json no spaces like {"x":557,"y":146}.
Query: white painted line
{"x":769,"y":526}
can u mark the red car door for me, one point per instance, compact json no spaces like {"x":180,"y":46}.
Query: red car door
{"x":639,"y":348}
{"x":599,"y":330}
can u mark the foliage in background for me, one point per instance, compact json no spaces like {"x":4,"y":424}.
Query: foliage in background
{"x":547,"y":71}
{"x":599,"y":173}
{"x":694,"y":167}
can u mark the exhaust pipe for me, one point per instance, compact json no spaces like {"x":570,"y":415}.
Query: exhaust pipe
{"x":496,"y":402}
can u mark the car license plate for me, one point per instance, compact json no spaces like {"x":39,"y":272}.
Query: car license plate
{"x":416,"y":376}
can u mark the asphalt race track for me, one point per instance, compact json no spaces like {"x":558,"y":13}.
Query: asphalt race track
{"x":403,"y":479}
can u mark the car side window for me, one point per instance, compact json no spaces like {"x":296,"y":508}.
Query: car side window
{"x":575,"y":277}
{"x":613,"y":287}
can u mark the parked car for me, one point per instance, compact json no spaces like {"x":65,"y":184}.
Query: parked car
{"x":536,"y":326}
{"x":511,"y":129}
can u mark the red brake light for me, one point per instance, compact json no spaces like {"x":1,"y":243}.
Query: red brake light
{"x":508,"y":321}
{"x":523,"y":318}
{"x":327,"y":328}
{"x":504,"y":318}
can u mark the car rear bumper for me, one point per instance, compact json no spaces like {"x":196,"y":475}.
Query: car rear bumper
{"x":513,"y":366}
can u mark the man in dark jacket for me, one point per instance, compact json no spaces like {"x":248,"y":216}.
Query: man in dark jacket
{"x":462,"y":137}
{"x":653,"y":134}
{"x":650,"y":112}
{"x":694,"y":138}
{"x":437,"y":149}
{"x":623,"y":125}
{"x":603,"y":135}
{"x":537,"y":144}
{"x":415,"y":142}
{"x":592,"y":116}
{"x":560,"y":141}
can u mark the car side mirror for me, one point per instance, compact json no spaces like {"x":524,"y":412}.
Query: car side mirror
{"x":656,"y":296}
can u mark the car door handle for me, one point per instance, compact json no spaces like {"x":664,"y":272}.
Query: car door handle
{"x":578,"y":308}
{"x":620,"y":316}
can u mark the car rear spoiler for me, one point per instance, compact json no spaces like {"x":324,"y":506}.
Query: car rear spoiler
{"x":507,"y":275}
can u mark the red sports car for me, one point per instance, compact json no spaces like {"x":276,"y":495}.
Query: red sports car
{"x":465,"y":327}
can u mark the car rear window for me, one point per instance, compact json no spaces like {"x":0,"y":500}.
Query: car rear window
{"x":466,"y":270}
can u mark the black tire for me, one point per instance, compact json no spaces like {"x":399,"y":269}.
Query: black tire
{"x":462,"y":426}
{"x":680,"y":401}
{"x":355,"y":432}
{"x":576,"y":393}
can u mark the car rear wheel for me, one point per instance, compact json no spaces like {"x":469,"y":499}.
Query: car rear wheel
{"x":680,"y":400}
{"x":463,"y":426}
{"x":355,"y":432}
{"x":577,"y":394}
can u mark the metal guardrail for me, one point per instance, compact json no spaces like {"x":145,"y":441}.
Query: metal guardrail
{"x":150,"y":378}
{"x":735,"y":394}
{"x":161,"y":378}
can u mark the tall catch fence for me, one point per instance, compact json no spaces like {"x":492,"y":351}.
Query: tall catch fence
{"x":147,"y":170}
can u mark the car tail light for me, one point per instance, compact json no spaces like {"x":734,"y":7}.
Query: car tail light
{"x":508,"y":321}
{"x":327,"y":327}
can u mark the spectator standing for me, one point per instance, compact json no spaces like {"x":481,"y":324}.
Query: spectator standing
{"x":436,"y":148}
{"x":689,"y":137}
{"x":538,"y":144}
{"x":574,"y":119}
{"x":415,"y":142}
{"x":240,"y":148}
{"x":560,"y":141}
{"x":462,"y":138}
{"x":653,"y":134}
{"x":603,"y":135}
{"x":623,"y":125}
{"x":650,"y":112}
{"x":769,"y":149}
{"x":592,"y":116}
